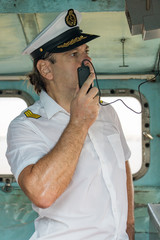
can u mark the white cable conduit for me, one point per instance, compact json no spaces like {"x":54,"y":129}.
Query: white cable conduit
{"x":100,"y":77}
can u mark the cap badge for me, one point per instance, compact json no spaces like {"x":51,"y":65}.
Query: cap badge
{"x":71,"y":19}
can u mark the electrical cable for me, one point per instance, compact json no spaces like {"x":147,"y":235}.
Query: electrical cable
{"x":139,"y":86}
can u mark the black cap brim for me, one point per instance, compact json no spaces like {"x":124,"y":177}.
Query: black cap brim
{"x":65,"y":42}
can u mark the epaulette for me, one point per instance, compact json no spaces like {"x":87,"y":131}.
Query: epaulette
{"x":30,"y":114}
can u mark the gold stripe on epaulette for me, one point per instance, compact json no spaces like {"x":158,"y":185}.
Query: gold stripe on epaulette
{"x":30,"y":114}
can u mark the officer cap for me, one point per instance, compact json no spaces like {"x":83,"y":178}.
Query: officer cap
{"x":61,"y":35}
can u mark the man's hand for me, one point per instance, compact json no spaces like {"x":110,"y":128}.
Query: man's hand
{"x":85,"y":106}
{"x":131,"y":231}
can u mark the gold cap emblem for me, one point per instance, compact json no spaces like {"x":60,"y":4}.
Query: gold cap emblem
{"x":71,"y":19}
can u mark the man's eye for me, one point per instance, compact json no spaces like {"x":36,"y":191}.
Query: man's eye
{"x":74,"y":54}
{"x":87,"y":51}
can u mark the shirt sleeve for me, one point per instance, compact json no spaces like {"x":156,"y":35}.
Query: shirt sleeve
{"x":25,"y":146}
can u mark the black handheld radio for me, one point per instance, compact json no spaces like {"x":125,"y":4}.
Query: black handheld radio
{"x":83,"y":73}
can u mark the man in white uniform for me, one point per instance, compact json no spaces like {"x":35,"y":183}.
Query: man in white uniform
{"x":66,"y":151}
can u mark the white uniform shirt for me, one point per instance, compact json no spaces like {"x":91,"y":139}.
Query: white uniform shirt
{"x":94,"y":205}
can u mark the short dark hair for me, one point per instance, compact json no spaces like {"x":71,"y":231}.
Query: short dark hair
{"x":35,"y":78}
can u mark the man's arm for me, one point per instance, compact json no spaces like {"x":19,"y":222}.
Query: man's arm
{"x":46,"y":180}
{"x":130,"y":194}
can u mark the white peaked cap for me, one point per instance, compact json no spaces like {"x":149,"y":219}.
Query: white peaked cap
{"x":61,"y":35}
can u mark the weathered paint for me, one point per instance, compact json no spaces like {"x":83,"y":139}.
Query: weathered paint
{"x":20,"y":85}
{"x":30,"y":6}
{"x":143,"y":196}
{"x":17,"y":217}
{"x":106,"y":51}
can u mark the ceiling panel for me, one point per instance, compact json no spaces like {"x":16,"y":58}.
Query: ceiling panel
{"x":19,"y":29}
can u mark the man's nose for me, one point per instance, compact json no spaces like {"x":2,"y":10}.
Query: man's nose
{"x":85,"y":57}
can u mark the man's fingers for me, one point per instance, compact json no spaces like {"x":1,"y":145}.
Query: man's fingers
{"x":93,"y":93}
{"x":87,"y":84}
{"x":89,"y":64}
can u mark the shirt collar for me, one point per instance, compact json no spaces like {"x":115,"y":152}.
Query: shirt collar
{"x":50,"y":106}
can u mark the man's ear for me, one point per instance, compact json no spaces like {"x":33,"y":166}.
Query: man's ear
{"x":44,"y":69}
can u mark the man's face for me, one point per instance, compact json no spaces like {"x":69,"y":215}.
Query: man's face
{"x":64,"y":69}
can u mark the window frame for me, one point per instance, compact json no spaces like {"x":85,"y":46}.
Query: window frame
{"x":145,"y":125}
{"x":7,"y":179}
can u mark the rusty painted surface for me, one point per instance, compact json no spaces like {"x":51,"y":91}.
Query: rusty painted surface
{"x":17,"y":216}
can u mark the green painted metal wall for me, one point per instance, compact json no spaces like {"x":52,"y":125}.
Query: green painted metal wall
{"x":27,"y":6}
{"x":16,"y":216}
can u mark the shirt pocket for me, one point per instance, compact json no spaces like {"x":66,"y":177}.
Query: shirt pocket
{"x":116,"y":145}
